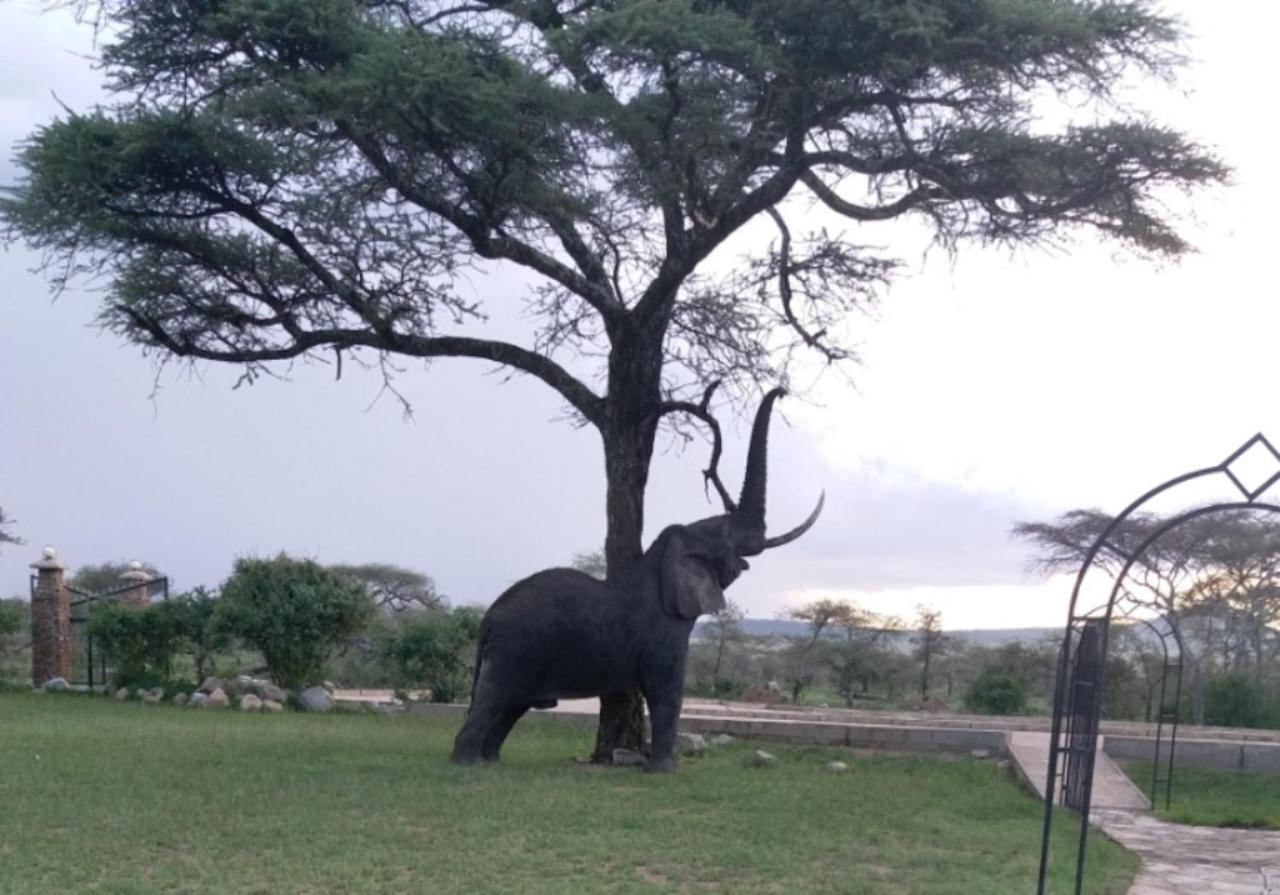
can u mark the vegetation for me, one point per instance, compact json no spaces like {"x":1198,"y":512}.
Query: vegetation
{"x":998,"y":690}
{"x":139,"y":642}
{"x":1209,"y":582}
{"x":432,"y":650}
{"x":232,"y":802}
{"x":106,"y":577}
{"x":1241,"y":700}
{"x":295,"y":612}
{"x":393,"y":588}
{"x":1216,"y":798}
{"x":7,"y":537}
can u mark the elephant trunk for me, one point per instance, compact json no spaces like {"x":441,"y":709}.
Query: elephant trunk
{"x":748,"y":519}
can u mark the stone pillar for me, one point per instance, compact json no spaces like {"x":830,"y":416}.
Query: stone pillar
{"x":50,"y":622}
{"x":139,"y":594}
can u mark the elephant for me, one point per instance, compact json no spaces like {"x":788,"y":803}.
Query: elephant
{"x":561,"y":634}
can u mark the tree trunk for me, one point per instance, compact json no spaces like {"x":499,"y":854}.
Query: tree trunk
{"x":628,"y":448}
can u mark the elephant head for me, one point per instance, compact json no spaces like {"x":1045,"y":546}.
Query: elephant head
{"x":700,"y":560}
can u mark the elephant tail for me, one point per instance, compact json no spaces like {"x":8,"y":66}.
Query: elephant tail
{"x":475,"y":674}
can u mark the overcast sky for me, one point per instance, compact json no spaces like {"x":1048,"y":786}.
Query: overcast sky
{"x":995,"y":388}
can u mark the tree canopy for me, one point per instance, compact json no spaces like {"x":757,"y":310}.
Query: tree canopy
{"x":5,"y":536}
{"x":394,"y":588}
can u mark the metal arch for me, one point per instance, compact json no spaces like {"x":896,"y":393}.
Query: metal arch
{"x":1082,"y":630}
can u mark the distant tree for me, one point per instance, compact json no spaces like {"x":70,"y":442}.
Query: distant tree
{"x":723,"y":629}
{"x":295,"y":612}
{"x":271,"y":180}
{"x":12,"y":617}
{"x":106,"y":577}
{"x":5,"y":536}
{"x":1218,"y":574}
{"x":820,"y":615}
{"x":857,"y":656}
{"x":929,"y":641}
{"x":393,"y":588}
{"x":193,"y":614}
{"x":592,"y":563}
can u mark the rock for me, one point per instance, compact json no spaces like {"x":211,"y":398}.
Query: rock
{"x":81,"y":688}
{"x":774,"y":687}
{"x":627,"y":758}
{"x":836,"y":766}
{"x":316,"y":699}
{"x":270,"y":692}
{"x":270,"y":705}
{"x":690,"y":743}
{"x":250,"y":703}
{"x":330,"y":686}
{"x":979,"y":753}
{"x":241,"y":685}
{"x":56,"y":685}
{"x":210,"y":684}
{"x":153,"y":696}
{"x":383,"y":708}
{"x":198,"y":699}
{"x":1004,"y":764}
{"x":180,"y":698}
{"x":759,"y":759}
{"x":121,"y":695}
{"x":216,"y":700}
{"x":721,"y":739}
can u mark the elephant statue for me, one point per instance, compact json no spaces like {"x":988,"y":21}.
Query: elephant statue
{"x":561,"y":634}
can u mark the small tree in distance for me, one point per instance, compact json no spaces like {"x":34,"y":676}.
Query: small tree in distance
{"x":295,"y":612}
{"x":929,"y":642}
{"x":393,"y":588}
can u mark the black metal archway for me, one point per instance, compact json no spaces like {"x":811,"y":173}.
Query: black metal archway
{"x":1077,"y":705}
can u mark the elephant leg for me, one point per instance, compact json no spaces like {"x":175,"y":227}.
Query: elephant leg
{"x":664,"y":715}
{"x":468,"y":746}
{"x":497,"y":733}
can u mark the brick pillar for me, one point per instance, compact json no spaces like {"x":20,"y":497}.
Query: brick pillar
{"x":139,"y":594}
{"x":50,"y":622}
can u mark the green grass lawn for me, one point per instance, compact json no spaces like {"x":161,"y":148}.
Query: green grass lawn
{"x":98,"y":796}
{"x":1215,"y":798}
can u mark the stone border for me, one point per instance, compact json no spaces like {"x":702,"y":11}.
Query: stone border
{"x":1217,"y":755}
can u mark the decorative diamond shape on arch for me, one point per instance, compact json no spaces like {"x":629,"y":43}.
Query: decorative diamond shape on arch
{"x":1254,"y":467}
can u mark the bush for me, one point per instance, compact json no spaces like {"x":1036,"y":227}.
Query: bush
{"x":193,"y":616}
{"x":434,"y":650}
{"x":1240,"y":700}
{"x":139,"y":642}
{"x":998,"y":691}
{"x":295,"y":612}
{"x":12,"y":618}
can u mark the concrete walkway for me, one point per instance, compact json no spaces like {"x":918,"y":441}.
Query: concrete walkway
{"x":1176,"y":859}
{"x":1112,"y":788}
{"x":1183,"y":860}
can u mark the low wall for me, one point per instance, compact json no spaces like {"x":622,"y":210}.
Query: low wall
{"x":1217,"y":755}
{"x":785,"y":730}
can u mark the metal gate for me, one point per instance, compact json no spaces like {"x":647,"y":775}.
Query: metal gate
{"x":1078,"y":693}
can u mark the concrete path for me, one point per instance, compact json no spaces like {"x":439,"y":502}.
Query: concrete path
{"x":1112,"y":788}
{"x":1183,"y":860}
{"x":1176,"y":859}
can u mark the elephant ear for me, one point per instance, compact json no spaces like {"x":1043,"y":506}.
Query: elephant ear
{"x":689,"y":588}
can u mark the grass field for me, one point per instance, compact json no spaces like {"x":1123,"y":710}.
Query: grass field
{"x":97,"y":796}
{"x":1215,"y":798}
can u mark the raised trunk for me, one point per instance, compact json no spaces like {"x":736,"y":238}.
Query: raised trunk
{"x":628,"y":435}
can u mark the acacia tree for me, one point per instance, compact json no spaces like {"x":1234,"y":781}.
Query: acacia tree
{"x":290,"y":178}
{"x":393,"y":588}
{"x":929,"y":641}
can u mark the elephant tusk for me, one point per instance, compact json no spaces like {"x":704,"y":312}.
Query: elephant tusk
{"x":799,"y":529}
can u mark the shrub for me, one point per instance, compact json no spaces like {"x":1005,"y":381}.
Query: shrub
{"x":998,"y":691}
{"x":139,"y":642}
{"x":434,"y":650}
{"x":193,"y":615}
{"x":295,"y":612}
{"x":1240,"y":700}
{"x":13,"y":618}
